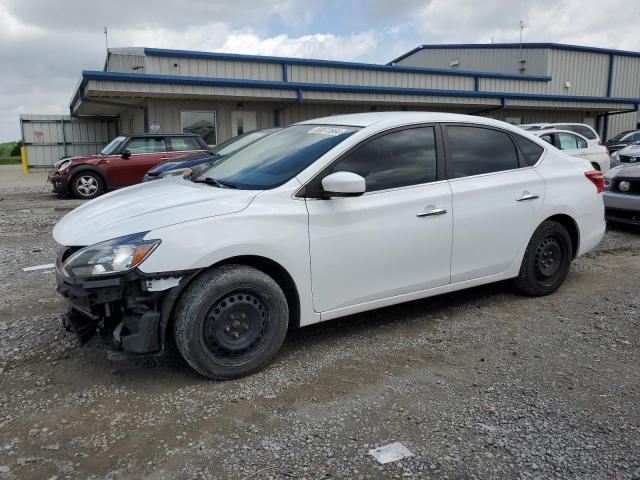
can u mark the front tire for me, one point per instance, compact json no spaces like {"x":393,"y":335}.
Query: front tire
{"x":86,"y":185}
{"x":230,"y":322}
{"x":546,"y":261}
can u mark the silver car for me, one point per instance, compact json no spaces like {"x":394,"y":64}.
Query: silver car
{"x":626,"y":155}
{"x":622,"y":194}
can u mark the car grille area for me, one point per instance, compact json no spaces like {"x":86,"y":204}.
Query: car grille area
{"x":628,"y":159}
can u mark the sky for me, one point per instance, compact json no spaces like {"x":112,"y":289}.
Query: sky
{"x":45,"y":44}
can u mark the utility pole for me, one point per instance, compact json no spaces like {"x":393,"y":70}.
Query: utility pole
{"x":106,"y":39}
{"x":522,"y":60}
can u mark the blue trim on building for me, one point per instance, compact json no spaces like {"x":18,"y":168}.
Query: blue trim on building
{"x":612,"y":59}
{"x":161,"y":52}
{"x":554,"y":46}
{"x":476,"y":84}
{"x":300,"y":87}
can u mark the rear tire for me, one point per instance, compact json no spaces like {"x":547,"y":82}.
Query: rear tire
{"x":86,"y":185}
{"x":230,"y":322}
{"x":546,"y":261}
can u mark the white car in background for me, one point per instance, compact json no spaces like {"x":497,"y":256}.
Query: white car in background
{"x":576,"y":145}
{"x":319,"y":220}
{"x":580,"y":128}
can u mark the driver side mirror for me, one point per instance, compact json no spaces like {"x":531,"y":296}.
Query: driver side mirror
{"x":126,"y":154}
{"x":343,"y":184}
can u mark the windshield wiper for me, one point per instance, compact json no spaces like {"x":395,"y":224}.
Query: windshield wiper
{"x":215,"y":182}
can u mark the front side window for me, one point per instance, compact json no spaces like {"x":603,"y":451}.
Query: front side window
{"x":566,"y":141}
{"x":531,"y":150}
{"x":146,"y":145}
{"x":200,"y":123}
{"x":185,"y":143}
{"x":278,"y":157}
{"x":478,"y":150}
{"x":396,"y":159}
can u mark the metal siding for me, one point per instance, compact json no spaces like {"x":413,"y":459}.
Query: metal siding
{"x":346,"y":76}
{"x":622,"y":122}
{"x":626,"y":77}
{"x":64,"y":136}
{"x":481,"y":60}
{"x":587,"y":72}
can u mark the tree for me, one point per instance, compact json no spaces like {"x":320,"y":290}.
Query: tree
{"x":15,"y":151}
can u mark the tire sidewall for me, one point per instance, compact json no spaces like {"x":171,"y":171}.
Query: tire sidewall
{"x":196,"y":302}
{"x":528,"y":269}
{"x":84,"y":173}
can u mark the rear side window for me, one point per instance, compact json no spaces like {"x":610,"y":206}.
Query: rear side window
{"x":185,"y":143}
{"x":397,"y":159}
{"x":530,"y":150}
{"x":477,"y":150}
{"x":146,"y":145}
{"x":566,"y":141}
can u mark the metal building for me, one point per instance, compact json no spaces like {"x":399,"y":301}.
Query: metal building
{"x":221,"y":95}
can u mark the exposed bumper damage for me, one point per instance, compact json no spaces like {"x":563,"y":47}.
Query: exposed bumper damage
{"x":130,"y":311}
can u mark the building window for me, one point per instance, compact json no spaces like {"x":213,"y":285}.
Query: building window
{"x":200,"y":123}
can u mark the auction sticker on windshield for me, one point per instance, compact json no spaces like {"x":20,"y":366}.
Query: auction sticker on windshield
{"x":331,"y":131}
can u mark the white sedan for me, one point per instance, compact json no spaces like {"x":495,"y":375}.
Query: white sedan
{"x":323,"y":219}
{"x":576,"y":145}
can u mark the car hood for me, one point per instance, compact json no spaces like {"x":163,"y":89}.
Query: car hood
{"x":145,"y":207}
{"x":631,"y":150}
{"x":183,"y":162}
{"x":626,"y":171}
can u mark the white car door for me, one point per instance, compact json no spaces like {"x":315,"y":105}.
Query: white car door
{"x":496,"y":199}
{"x":394,"y":239}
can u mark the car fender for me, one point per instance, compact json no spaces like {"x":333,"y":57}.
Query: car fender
{"x":92,"y":168}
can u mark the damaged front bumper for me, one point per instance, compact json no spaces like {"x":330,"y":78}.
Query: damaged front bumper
{"x":130,"y":310}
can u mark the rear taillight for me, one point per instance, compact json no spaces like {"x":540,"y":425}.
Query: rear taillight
{"x":595,"y":177}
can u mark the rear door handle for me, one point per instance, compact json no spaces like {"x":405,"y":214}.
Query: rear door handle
{"x":433,"y":211}
{"x":165,"y":158}
{"x":526,"y":196}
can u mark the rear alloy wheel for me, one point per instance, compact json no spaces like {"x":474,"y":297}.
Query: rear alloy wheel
{"x":546,"y":261}
{"x":86,"y":185}
{"x":230,"y":322}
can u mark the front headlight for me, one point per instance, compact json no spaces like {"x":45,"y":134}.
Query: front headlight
{"x":114,"y":256}
{"x":615,"y":155}
{"x":173,"y":173}
{"x":63,"y":165}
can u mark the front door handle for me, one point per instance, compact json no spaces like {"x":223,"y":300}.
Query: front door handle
{"x":433,"y":211}
{"x":526,"y":196}
{"x":165,"y":158}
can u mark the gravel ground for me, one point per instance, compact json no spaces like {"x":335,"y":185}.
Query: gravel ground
{"x":478,"y":384}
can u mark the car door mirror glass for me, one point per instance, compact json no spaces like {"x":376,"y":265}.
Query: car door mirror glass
{"x":343,"y":184}
{"x":126,"y":154}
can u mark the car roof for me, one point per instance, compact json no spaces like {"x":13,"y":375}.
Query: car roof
{"x":400,"y":118}
{"x":558,"y":130}
{"x":160,"y":134}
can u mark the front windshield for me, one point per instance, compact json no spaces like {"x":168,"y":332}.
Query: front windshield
{"x":278,"y":157}
{"x":621,"y":136}
{"x":112,"y":146}
{"x":236,"y":143}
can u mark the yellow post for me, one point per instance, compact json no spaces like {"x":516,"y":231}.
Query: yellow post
{"x":23,"y":155}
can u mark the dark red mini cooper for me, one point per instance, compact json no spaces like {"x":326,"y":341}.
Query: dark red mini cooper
{"x":121,"y":163}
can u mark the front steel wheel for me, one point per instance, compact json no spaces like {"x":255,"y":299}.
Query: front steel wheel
{"x":546,"y":261}
{"x":230,"y":322}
